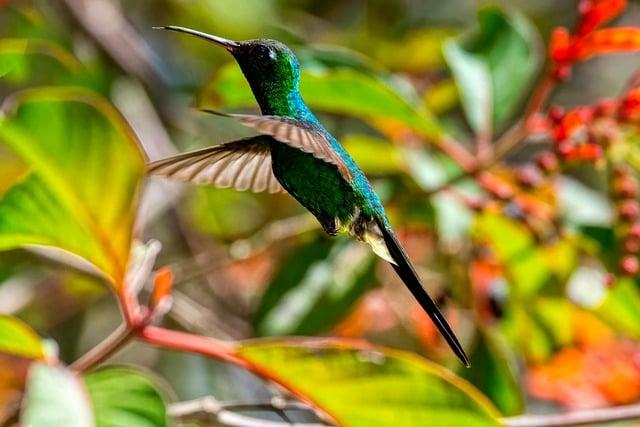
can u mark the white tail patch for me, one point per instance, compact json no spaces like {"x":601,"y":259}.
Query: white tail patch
{"x":373,"y":237}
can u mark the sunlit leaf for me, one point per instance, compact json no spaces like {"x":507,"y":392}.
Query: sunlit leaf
{"x":125,"y":397}
{"x":375,"y":156}
{"x":55,"y":397}
{"x":494,"y":66}
{"x":340,"y":91}
{"x":315,"y":288}
{"x":18,"y":339}
{"x":225,"y":213}
{"x":377,"y":387}
{"x":620,"y":308}
{"x":495,"y":373}
{"x":524,"y":262}
{"x":81,"y":196}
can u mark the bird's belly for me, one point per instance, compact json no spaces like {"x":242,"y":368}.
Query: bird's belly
{"x":317,"y":185}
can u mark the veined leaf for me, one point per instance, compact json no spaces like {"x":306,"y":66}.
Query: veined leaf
{"x":124,"y":397}
{"x":494,"y":66}
{"x":377,"y":387}
{"x":86,"y":169}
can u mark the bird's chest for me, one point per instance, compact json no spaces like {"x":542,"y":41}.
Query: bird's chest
{"x":317,"y":185}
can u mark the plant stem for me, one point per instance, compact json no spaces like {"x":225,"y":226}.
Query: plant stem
{"x":105,"y":349}
{"x":458,"y":154}
{"x":576,"y":418}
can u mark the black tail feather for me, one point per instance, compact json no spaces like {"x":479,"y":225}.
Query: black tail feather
{"x":408,"y":274}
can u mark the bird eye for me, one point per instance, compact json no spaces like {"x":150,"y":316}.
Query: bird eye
{"x":265,"y":53}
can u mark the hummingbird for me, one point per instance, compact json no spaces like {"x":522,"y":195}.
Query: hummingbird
{"x":294,"y":152}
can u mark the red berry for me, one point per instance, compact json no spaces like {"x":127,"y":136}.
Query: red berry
{"x":548,"y":162}
{"x":631,"y":245}
{"x":629,"y":210}
{"x":630,"y":265}
{"x":609,"y":280}
{"x":634,"y":230}
{"x":606,"y":108}
{"x":562,"y":72}
{"x":565,"y":149}
{"x":529,"y":176}
{"x":556,"y":113}
{"x":625,"y":187}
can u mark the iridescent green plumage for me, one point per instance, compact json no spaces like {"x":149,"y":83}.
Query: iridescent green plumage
{"x":307,"y":161}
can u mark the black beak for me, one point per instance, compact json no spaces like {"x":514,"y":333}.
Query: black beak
{"x":230,"y":45}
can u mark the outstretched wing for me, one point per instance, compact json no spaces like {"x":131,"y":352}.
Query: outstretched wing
{"x":295,"y":134}
{"x":244,"y":165}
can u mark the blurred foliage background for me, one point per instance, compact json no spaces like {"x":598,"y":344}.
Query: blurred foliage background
{"x":526,"y":266}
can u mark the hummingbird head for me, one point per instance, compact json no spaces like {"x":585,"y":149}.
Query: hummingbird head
{"x":270,"y":67}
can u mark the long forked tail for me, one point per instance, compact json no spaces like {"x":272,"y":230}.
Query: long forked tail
{"x":408,"y":274}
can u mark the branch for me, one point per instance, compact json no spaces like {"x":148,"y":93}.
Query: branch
{"x":576,"y":418}
{"x":208,"y":409}
{"x":104,"y":350}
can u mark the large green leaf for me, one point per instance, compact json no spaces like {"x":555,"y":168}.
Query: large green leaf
{"x":315,"y":288}
{"x":515,"y":247}
{"x":86,"y":169}
{"x":377,"y":387}
{"x":493,"y":66}
{"x":340,"y":91}
{"x":18,"y":339}
{"x":55,"y":397}
{"x":494,"y":371}
{"x":125,"y":397}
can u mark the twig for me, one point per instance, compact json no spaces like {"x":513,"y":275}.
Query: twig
{"x":518,"y":131}
{"x":105,"y":349}
{"x":458,"y":154}
{"x":576,"y":418}
{"x":208,"y":409}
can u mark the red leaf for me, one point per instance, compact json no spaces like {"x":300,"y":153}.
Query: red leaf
{"x":561,"y":47}
{"x":594,"y":13}
{"x":162,"y":285}
{"x":609,"y":40}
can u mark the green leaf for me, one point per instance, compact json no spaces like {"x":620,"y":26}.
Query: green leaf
{"x":620,"y":308}
{"x":375,"y":387}
{"x":55,"y":397}
{"x":225,"y":213}
{"x":493,"y":66}
{"x":87,"y":168}
{"x":525,"y":264}
{"x":374,"y":155}
{"x":494,"y":371}
{"x":23,"y":58}
{"x":315,"y":288}
{"x":18,"y":339}
{"x":125,"y":397}
{"x":339,"y":91}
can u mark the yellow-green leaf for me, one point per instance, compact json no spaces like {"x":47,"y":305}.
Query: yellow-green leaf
{"x":18,"y":339}
{"x":86,"y":169}
{"x":376,"y":387}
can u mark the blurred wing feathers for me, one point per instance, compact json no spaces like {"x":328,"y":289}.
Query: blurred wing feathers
{"x":244,"y":165}
{"x":295,"y":134}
